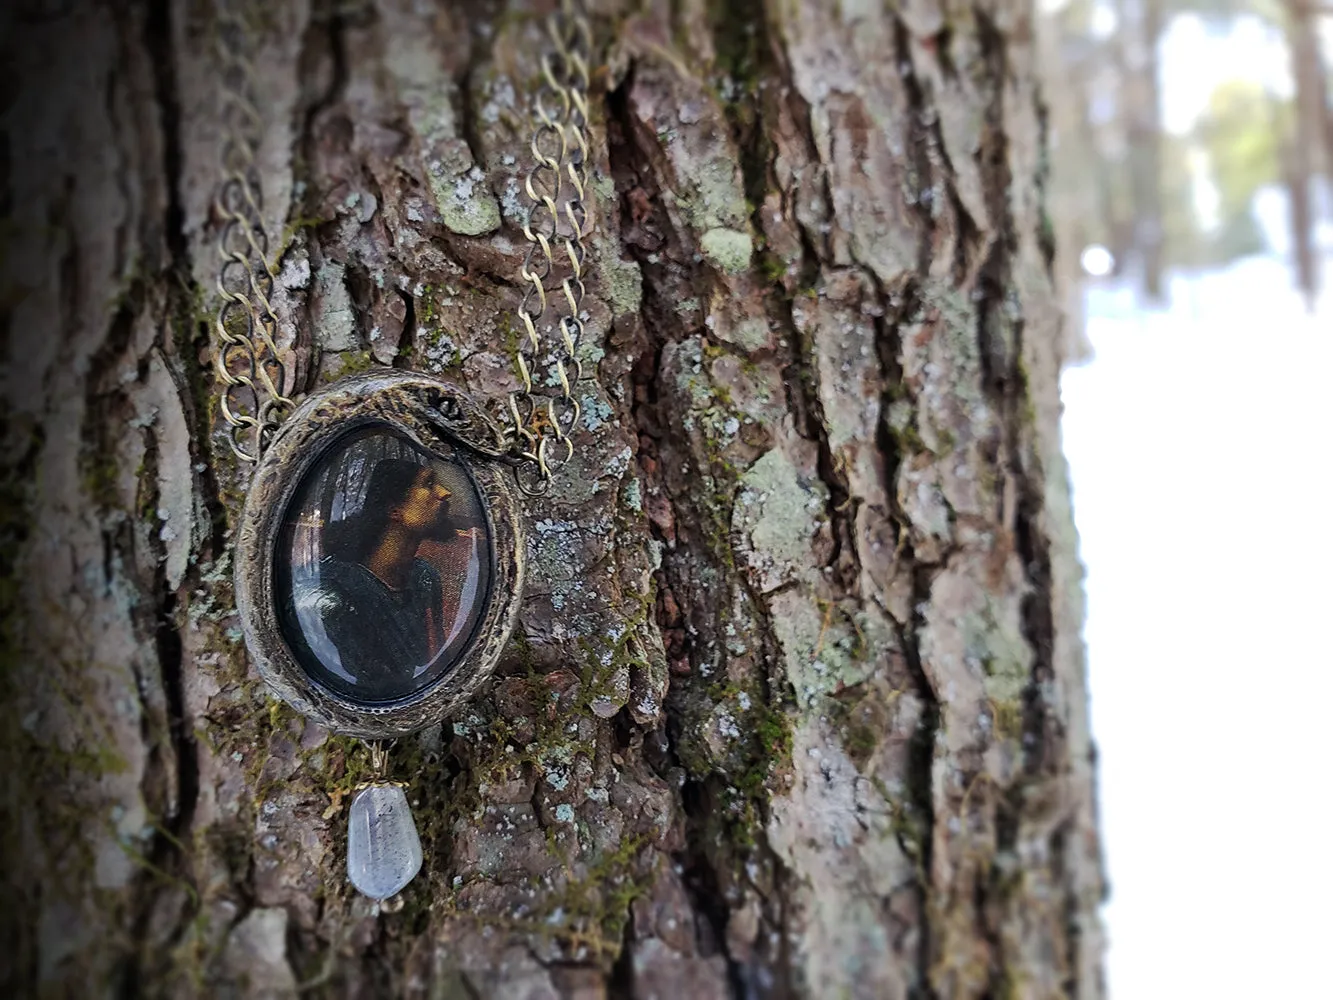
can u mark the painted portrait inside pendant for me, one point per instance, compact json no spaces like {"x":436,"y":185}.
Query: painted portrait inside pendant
{"x":383,"y":569}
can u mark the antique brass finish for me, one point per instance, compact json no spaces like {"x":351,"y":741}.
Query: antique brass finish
{"x":437,"y":418}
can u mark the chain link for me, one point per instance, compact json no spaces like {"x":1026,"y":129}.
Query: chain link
{"x":541,"y":424}
{"x":245,"y":356}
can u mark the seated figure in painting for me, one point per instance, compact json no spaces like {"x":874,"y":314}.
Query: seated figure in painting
{"x":381,"y":603}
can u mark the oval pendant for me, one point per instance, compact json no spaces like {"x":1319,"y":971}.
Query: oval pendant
{"x":382,"y":567}
{"x":379,"y":560}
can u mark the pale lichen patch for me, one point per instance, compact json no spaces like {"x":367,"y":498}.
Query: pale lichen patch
{"x":621,"y":279}
{"x":778,"y":509}
{"x":332,"y":317}
{"x":728,"y":249}
{"x":824,"y":648}
{"x":457,"y":184}
{"x":466,"y":204}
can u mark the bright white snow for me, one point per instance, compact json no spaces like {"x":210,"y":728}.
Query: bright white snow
{"x":1200,"y":441}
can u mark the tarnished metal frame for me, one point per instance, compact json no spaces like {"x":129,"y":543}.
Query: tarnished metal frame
{"x":429,"y":412}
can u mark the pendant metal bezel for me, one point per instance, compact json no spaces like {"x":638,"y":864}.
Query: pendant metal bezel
{"x":431,"y":413}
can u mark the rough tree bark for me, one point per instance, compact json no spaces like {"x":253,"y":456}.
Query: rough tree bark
{"x":798,"y":707}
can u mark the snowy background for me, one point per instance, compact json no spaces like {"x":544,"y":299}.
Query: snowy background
{"x":1200,"y":444}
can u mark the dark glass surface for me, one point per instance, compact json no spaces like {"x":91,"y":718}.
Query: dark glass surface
{"x":383,"y":567}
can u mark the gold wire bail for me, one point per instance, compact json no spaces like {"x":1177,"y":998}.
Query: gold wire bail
{"x":379,"y":759}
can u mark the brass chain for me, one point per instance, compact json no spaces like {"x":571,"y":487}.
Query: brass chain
{"x":541,"y":424}
{"x":245,"y":356}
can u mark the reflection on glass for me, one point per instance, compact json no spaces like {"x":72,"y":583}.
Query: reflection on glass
{"x":383,"y":567}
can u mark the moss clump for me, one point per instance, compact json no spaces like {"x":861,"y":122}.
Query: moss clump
{"x":542,"y":739}
{"x":756,"y":753}
{"x":594,"y":910}
{"x":588,"y":915}
{"x":350,"y":363}
{"x":290,"y":231}
{"x":605,"y":656}
{"x":862,"y":717}
{"x":1007,"y":714}
{"x":773,"y":269}
{"x":99,"y":479}
{"x":772,"y":748}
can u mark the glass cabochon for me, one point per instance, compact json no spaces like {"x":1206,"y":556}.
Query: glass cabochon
{"x":383,"y":567}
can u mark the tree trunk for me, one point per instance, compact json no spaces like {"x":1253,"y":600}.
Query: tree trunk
{"x":1305,"y":148}
{"x":1141,"y":37}
{"x":798,"y":706}
{"x":1314,"y":113}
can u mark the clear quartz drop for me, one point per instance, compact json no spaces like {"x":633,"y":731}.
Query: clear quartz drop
{"x":383,"y":849}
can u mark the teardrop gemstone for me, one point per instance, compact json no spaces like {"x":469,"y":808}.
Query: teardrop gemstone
{"x":383,"y":849}
{"x":383,"y":567}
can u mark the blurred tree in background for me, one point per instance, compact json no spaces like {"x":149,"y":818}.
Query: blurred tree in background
{"x":1160,"y":196}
